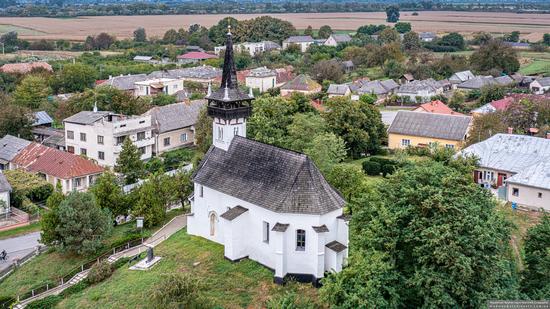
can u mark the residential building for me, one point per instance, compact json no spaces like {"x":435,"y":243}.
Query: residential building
{"x":72,"y":172}
{"x":414,"y":129}
{"x":5,"y":190}
{"x":125,"y":83}
{"x":262,"y":202}
{"x":517,"y":164}
{"x":540,"y":86}
{"x":262,"y":79}
{"x":302,"y":40}
{"x":155,"y":86}
{"x":252,"y":48}
{"x":380,"y":88}
{"x":194,"y":57}
{"x":174,"y":125}
{"x":203,"y":74}
{"x":336,"y":39}
{"x":491,"y":107}
{"x":284,"y":75}
{"x":419,"y":91}
{"x":25,"y":67}
{"x":348,"y":66}
{"x":427,"y":36}
{"x":338,"y":90}
{"x":479,"y":82}
{"x":406,"y":78}
{"x":460,"y":77}
{"x":436,"y":107}
{"x":42,"y":119}
{"x":99,"y":135}
{"x":301,"y":84}
{"x":10,"y":146}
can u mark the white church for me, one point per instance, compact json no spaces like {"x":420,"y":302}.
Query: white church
{"x":262,"y":202}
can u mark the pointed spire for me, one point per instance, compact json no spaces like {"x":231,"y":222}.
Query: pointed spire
{"x":209,"y":92}
{"x":229,"y":75}
{"x":226,"y":93}
{"x":250,"y":93}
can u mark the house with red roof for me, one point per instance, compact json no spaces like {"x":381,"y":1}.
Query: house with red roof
{"x":436,"y":107}
{"x":194,"y":57}
{"x":72,"y":172}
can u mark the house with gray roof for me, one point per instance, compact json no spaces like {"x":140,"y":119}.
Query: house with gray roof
{"x":41,"y":118}
{"x":518,"y":164}
{"x":460,"y":77}
{"x":124,"y":82}
{"x":419,"y":91}
{"x":479,"y":82}
{"x":261,"y":78}
{"x":5,"y":190}
{"x":336,"y":39}
{"x":174,"y":125}
{"x":262,"y":202}
{"x":540,"y":85}
{"x":380,"y":88}
{"x":301,"y":40}
{"x":10,"y":146}
{"x":427,"y":36}
{"x":338,"y":90}
{"x":417,"y":129}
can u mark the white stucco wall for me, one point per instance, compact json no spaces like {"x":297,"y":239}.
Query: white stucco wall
{"x":225,"y":130}
{"x":261,"y":83}
{"x":247,"y":233}
{"x":5,"y":196}
{"x":529,"y":196}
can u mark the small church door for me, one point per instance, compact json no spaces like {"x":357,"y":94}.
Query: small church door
{"x":212,"y":224}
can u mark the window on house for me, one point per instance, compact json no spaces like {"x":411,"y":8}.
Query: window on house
{"x":83,"y":151}
{"x":201,"y":191}
{"x":405,"y":142}
{"x":140,"y":136}
{"x":122,"y":125}
{"x":83,"y":137}
{"x":100,"y":139}
{"x":300,"y":240}
{"x":540,"y":194}
{"x":183,"y":137}
{"x":449,"y":146}
{"x":166,"y":141}
{"x":141,"y":121}
{"x":101,"y":155}
{"x":220,"y":133}
{"x":142,"y":150}
{"x":120,"y":139}
{"x":70,"y":149}
{"x":77,"y":182}
{"x":266,"y":232}
{"x":515,"y":191}
{"x":235,"y":131}
{"x":70,"y":134}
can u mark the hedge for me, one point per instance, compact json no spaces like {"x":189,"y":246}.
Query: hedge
{"x":27,"y":185}
{"x":372,"y":168}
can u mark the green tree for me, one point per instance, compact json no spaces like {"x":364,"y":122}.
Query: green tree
{"x":491,"y":93}
{"x":32,"y":92}
{"x":171,"y":37}
{"x":16,"y":120}
{"x":393,"y":69}
{"x":536,"y":276}
{"x":546,"y":39}
{"x":50,"y":219}
{"x":348,"y":179}
{"x":371,"y":29}
{"x":271,"y":117}
{"x":359,"y":124}
{"x":183,"y":185}
{"x":453,"y":39}
{"x":330,"y":70}
{"x":162,"y":99}
{"x":266,"y":28}
{"x":426,"y":237}
{"x":218,"y":32}
{"x":326,"y":150}
{"x":457,"y":101}
{"x":152,"y":201}
{"x":402,"y":27}
{"x":75,"y":78}
{"x":109,"y":194}
{"x":512,"y":36}
{"x":140,"y":35}
{"x":495,"y":55}
{"x":324,"y":32}
{"x":203,"y":131}
{"x":82,"y":224}
{"x":481,"y":38}
{"x":309,"y":31}
{"x":411,"y":41}
{"x":392,"y":13}
{"x":129,"y":162}
{"x":301,"y":128}
{"x":388,"y":36}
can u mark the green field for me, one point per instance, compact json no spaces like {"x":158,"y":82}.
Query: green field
{"x":20,"y":30}
{"x":231,"y":285}
{"x":33,"y":227}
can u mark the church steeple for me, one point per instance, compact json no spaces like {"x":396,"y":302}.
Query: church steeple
{"x":228,"y":105}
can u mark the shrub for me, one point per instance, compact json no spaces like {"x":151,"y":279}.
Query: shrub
{"x":45,"y":303}
{"x":418,"y":151}
{"x":120,"y":262}
{"x":73,"y":289}
{"x":29,"y":207}
{"x":371,"y":168}
{"x":27,"y":185}
{"x":99,"y":272}
{"x":288,"y":301}
{"x":180,"y":291}
{"x":388,"y":169}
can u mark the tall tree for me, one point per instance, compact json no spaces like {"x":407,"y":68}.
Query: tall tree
{"x":299,"y":130}
{"x":75,"y":78}
{"x":309,"y":31}
{"x":411,"y":41}
{"x":129,"y":162}
{"x":536,"y":276}
{"x":485,"y":126}
{"x":546,"y":39}
{"x":453,"y":39}
{"x":426,"y":237}
{"x":389,"y":35}
{"x":203,"y":131}
{"x":50,"y":219}
{"x":392,"y":13}
{"x":32,"y":92}
{"x":326,"y":150}
{"x":16,"y":120}
{"x":324,"y":32}
{"x":402,"y":27}
{"x":271,"y":117}
{"x":140,"y":35}
{"x":218,"y":32}
{"x":495,"y":55}
{"x":109,"y":194}
{"x":330,"y":70}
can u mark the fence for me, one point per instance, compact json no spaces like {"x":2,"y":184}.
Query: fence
{"x":68,"y":276}
{"x":5,"y":272}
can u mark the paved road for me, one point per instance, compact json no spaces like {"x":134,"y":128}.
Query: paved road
{"x":17,"y":247}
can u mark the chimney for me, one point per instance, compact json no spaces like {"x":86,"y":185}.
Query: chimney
{"x":510,"y":130}
{"x":547,"y":135}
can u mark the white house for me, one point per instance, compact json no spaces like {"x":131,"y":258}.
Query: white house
{"x":540,"y":86}
{"x":460,"y":77}
{"x":336,"y":39}
{"x":301,"y":40}
{"x":155,"y":86}
{"x":427,"y":36}
{"x":420,"y":91}
{"x":262,"y":202}
{"x":5,"y":190}
{"x":338,"y":90}
{"x":99,"y":135}
{"x":262,"y":79}
{"x":252,"y":48}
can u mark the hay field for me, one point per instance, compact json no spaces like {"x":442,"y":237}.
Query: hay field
{"x":532,"y":26}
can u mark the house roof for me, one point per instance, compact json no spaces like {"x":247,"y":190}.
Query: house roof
{"x":449,"y":127}
{"x":175,"y":116}
{"x":10,"y":146}
{"x":336,"y":246}
{"x":536,"y":175}
{"x":42,"y":118}
{"x":261,"y":72}
{"x":427,"y":35}
{"x":438,"y":107}
{"x":284,"y":74}
{"x":320,"y":229}
{"x":420,"y":85}
{"x":301,"y":82}
{"x":463,"y":75}
{"x":124,"y":82}
{"x":341,"y":38}
{"x":143,"y":58}
{"x":544,"y":82}
{"x":299,"y":39}
{"x":481,"y":81}
{"x":55,"y":139}
{"x":86,"y":117}
{"x":276,"y":179}
{"x":25,"y":67}
{"x":338,"y":89}
{"x":378,"y":87}
{"x":196,"y":55}
{"x":50,"y":161}
{"x":484,"y":109}
{"x":510,"y":152}
{"x":205,"y":72}
{"x":280,"y":227}
{"x":233,"y":213}
{"x":408,"y":76}
{"x":181,"y":96}
{"x":4,"y":184}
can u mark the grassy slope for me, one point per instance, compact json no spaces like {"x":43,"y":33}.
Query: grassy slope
{"x":233,"y":285}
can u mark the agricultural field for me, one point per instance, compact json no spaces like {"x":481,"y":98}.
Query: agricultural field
{"x":531,"y":26}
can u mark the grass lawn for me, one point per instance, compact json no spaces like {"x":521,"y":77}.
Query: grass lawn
{"x":33,"y":227}
{"x":537,"y":66}
{"x":51,"y":265}
{"x":231,"y":285}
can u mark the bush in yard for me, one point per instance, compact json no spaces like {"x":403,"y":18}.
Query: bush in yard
{"x":27,"y":186}
{"x":180,"y":290}
{"x":371,"y":168}
{"x":289,"y":300}
{"x":388,"y":169}
{"x":99,"y":272}
{"x":45,"y":303}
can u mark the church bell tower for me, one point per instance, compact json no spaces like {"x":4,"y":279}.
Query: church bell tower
{"x":228,"y":105}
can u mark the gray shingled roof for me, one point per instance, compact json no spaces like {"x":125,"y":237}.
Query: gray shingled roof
{"x":481,"y":81}
{"x":299,"y":39}
{"x":420,"y":85}
{"x":450,"y":127}
{"x":205,"y":72}
{"x":4,"y":184}
{"x":262,"y":72}
{"x":510,"y":152}
{"x":277,"y":179}
{"x":544,"y":82}
{"x":320,"y":229}
{"x":537,"y":175}
{"x":175,"y":116}
{"x":10,"y":146}
{"x":280,"y":227}
{"x":341,"y":38}
{"x":378,"y":87}
{"x":427,"y":35}
{"x":125,"y":82}
{"x":337,"y":89}
{"x":86,"y":117}
{"x":233,"y":213}
{"x":42,"y":118}
{"x":336,"y":246}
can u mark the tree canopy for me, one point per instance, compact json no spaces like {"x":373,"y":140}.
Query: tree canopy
{"x":129,"y":162}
